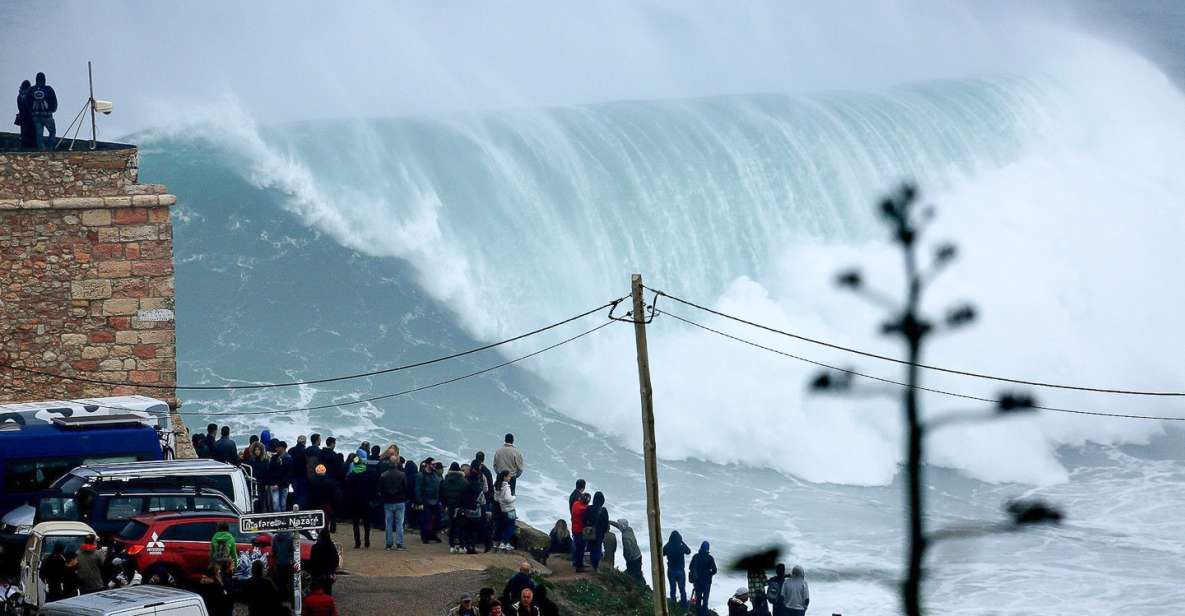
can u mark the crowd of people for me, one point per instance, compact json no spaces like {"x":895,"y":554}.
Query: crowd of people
{"x":470,"y":505}
{"x":35,"y":106}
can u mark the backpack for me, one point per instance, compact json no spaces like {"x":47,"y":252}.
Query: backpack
{"x":224,"y":548}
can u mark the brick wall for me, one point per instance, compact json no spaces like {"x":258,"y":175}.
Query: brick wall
{"x":86,"y":277}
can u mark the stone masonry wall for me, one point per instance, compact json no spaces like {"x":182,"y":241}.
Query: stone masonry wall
{"x":86,"y":281}
{"x":81,"y":173}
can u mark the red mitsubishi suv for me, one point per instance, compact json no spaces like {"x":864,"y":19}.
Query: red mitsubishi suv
{"x":175,"y":547}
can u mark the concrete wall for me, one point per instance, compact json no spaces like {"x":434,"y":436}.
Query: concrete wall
{"x":86,"y":276}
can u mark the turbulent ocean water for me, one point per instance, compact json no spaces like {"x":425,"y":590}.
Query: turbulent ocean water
{"x":311,"y":248}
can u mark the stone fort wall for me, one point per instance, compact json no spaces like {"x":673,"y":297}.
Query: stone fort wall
{"x":86,"y":276}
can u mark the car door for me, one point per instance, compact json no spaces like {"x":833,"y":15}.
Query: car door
{"x":187,"y":544}
{"x":30,"y":564}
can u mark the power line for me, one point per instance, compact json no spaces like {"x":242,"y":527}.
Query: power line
{"x":838,"y":347}
{"x":414,"y":389}
{"x":899,"y":383}
{"x":332,"y":379}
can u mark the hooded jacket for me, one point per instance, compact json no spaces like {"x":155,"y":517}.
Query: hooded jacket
{"x":412,"y":473}
{"x":428,"y":488}
{"x":795,"y":594}
{"x":675,"y":550}
{"x":736,"y":607}
{"x":703,"y":567}
{"x":505,"y":498}
{"x":596,"y":516}
{"x":452,"y":488}
{"x":393,"y":486}
{"x":361,"y":489}
{"x":629,"y":541}
{"x":43,"y":101}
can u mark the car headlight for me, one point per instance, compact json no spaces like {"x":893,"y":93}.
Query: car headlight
{"x":24,"y":529}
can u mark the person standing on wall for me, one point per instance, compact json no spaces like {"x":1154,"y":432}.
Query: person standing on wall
{"x":508,"y":458}
{"x":43,"y":102}
{"x":24,"y":117}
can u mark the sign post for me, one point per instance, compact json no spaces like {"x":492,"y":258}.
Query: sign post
{"x":286,"y":522}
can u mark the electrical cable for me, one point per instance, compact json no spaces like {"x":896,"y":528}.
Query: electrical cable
{"x":333,"y":379}
{"x":906,"y":385}
{"x":831,"y":345}
{"x":408,"y":391}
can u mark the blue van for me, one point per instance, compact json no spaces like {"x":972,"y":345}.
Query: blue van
{"x":35,"y":455}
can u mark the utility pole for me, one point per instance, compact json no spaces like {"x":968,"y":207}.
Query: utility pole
{"x":648,"y":450}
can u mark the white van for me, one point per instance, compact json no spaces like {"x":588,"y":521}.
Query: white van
{"x":143,"y":600}
{"x":206,"y":474}
{"x":41,"y":543}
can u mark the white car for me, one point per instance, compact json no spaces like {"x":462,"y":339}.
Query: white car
{"x":235,"y":484}
{"x":143,"y":600}
{"x":41,"y":543}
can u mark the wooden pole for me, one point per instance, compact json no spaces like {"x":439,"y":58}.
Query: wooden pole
{"x":90,"y":73}
{"x":648,"y":450}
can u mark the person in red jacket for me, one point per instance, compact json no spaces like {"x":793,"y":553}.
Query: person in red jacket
{"x":578,"y":509}
{"x":318,"y":603}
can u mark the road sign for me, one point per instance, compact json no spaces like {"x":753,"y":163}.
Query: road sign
{"x":283,"y":521}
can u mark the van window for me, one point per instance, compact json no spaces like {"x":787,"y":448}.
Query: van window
{"x":124,"y":507}
{"x":32,"y":475}
{"x":179,"y":610}
{"x":212,"y":503}
{"x":56,"y":508}
{"x":36,"y":475}
{"x":167,"y":503}
{"x":197,"y":531}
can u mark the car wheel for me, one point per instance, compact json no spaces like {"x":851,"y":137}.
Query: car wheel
{"x":162,"y":575}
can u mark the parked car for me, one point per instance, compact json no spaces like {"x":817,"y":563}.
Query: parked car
{"x":205,"y":474}
{"x":175,"y":547}
{"x":108,"y":511}
{"x":41,"y":544}
{"x":144,"y":600}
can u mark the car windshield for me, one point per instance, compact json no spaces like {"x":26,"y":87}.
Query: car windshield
{"x":56,"y":508}
{"x":70,"y":543}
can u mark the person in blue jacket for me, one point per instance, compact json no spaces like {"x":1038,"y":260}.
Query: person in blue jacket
{"x":701,"y":571}
{"x":674,"y":551}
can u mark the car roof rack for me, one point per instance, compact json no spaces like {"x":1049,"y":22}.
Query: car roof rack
{"x":126,"y":420}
